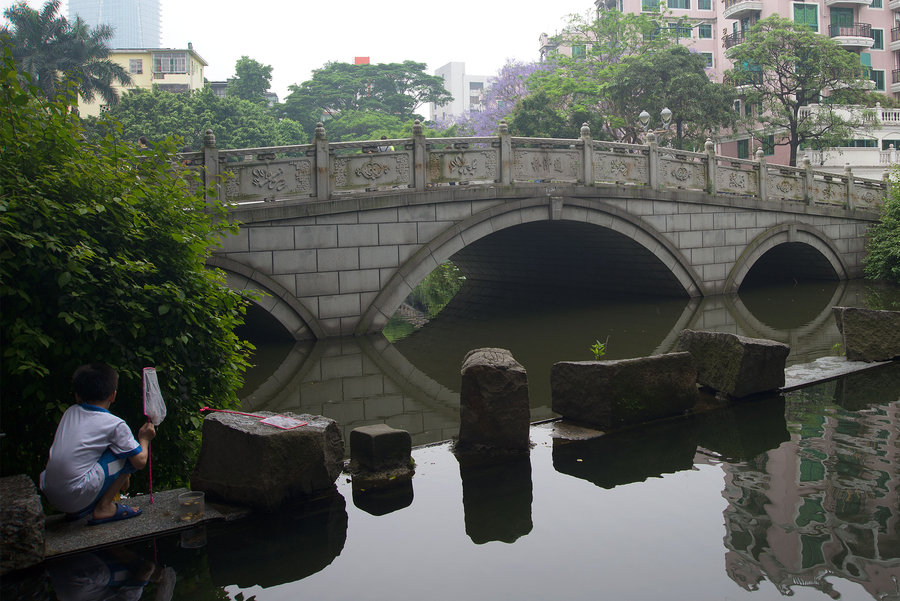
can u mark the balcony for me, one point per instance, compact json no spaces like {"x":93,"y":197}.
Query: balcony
{"x":894,"y":5}
{"x":865,"y":3}
{"x":733,"y":39}
{"x":895,"y":81}
{"x":895,"y":39}
{"x":738,"y":9}
{"x":856,"y":35}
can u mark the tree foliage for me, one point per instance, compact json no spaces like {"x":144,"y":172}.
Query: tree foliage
{"x":55,"y":52}
{"x":102,"y":258}
{"x":251,"y":80}
{"x":236,"y":123}
{"x":786,"y":66}
{"x":508,"y":87}
{"x":578,"y":83}
{"x":675,"y":78}
{"x":882,"y":260}
{"x":396,"y":89}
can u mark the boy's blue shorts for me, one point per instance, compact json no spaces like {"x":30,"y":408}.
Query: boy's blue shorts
{"x":113,"y":467}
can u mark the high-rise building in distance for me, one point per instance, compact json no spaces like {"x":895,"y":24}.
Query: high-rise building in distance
{"x":136,"y":23}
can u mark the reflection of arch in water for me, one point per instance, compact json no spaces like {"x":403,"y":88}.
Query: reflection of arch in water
{"x":752,"y":326}
{"x":280,"y":303}
{"x":311,"y":377}
{"x":510,"y":214}
{"x":786,"y":233}
{"x":670,"y":342}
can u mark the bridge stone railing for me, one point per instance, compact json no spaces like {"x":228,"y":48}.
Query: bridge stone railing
{"x":323,"y":170}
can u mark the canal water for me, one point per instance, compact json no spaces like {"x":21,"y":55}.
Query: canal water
{"x":795,"y":495}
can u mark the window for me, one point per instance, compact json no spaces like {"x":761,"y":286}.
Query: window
{"x":737,"y":106}
{"x":875,"y":4}
{"x":807,"y":14}
{"x":878,"y":78}
{"x":841,"y":17}
{"x":743,"y":149}
{"x":768,"y":145}
{"x":878,"y":36}
{"x":683,"y":4}
{"x":704,"y":4}
{"x":704,"y":31}
{"x":709,"y":59}
{"x":649,"y":5}
{"x":136,"y":66}
{"x":680,"y":30}
{"x":886,"y":144}
{"x":579,"y":50}
{"x":170,"y":62}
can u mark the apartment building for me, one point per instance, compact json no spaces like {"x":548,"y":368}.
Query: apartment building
{"x":467,"y":91}
{"x":172,"y":69}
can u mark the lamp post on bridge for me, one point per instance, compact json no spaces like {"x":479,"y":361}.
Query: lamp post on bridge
{"x":665,"y":115}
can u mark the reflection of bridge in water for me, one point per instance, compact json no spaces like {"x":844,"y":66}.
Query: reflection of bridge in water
{"x":414,"y":383}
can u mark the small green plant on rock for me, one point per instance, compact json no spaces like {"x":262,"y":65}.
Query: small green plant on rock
{"x":598,"y":349}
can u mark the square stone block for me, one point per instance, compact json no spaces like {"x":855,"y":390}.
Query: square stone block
{"x":380,"y":447}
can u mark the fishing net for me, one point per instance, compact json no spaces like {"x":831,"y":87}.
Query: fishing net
{"x":154,"y":405}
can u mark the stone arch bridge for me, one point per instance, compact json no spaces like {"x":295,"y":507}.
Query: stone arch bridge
{"x":337,"y":235}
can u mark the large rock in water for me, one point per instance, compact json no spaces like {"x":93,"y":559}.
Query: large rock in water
{"x":735,"y":365}
{"x":869,"y":335}
{"x":21,"y":524}
{"x":493,"y":402}
{"x":247,"y":463}
{"x":610,"y":394}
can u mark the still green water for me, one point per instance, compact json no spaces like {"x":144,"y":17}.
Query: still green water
{"x":791,"y":496}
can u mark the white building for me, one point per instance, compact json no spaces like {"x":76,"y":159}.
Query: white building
{"x":135,"y":23}
{"x":467,"y":91}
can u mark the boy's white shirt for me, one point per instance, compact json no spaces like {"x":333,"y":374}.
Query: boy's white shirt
{"x":73,"y":477}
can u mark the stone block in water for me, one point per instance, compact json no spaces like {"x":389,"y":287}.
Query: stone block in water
{"x":246,"y":463}
{"x":21,"y":524}
{"x":735,"y":365}
{"x":869,"y":335}
{"x":494,"y":412}
{"x":380,"y":456}
{"x":611,"y":394}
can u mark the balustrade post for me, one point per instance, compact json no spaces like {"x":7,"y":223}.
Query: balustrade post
{"x":763,"y":175}
{"x":892,"y":156}
{"x":653,"y":160}
{"x":420,"y":152}
{"x":211,"y":166}
{"x":807,"y":180}
{"x":848,"y":173}
{"x":711,"y":166}
{"x":323,"y":164}
{"x":588,"y":160}
{"x":506,"y":158}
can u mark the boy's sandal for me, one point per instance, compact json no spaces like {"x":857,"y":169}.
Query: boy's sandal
{"x":123,"y":512}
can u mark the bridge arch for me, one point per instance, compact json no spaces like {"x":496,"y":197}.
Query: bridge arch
{"x":510,"y":214}
{"x":785,"y":233}
{"x":299,"y":322}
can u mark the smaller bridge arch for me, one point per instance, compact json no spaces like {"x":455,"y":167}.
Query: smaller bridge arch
{"x":274,"y":299}
{"x":517,"y":213}
{"x":785,"y":233}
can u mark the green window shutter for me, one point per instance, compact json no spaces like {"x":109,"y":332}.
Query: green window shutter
{"x":704,"y":31}
{"x":865,"y":59}
{"x":807,"y":14}
{"x":878,"y":36}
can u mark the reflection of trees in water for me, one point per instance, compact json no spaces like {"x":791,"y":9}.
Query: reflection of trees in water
{"x":825,"y":503}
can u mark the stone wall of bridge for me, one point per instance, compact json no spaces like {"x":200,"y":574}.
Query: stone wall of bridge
{"x":343,"y":266}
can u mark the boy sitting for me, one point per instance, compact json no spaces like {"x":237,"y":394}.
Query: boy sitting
{"x":94,"y":452}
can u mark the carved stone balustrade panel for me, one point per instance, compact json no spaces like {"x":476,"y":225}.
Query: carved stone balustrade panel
{"x":828,"y":192}
{"x":463,"y":166}
{"x":784,"y":185}
{"x":619,"y":168}
{"x":677,"y":173}
{"x":547,"y":164}
{"x":731,"y":180}
{"x":371,"y":170}
{"x":269,"y":180}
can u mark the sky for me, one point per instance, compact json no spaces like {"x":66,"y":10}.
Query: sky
{"x":297,"y":37}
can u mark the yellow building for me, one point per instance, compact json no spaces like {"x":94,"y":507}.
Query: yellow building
{"x":171,"y":69}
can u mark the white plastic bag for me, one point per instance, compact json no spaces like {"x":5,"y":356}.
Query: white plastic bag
{"x":154,"y":405}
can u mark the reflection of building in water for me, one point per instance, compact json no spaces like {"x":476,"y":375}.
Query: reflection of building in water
{"x":826,"y":503}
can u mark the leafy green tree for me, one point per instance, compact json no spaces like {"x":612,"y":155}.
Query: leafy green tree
{"x":102,"y":258}
{"x":236,"y":123}
{"x":786,"y":66}
{"x":676,"y":78}
{"x":251,"y":80}
{"x":535,"y":116}
{"x":54,"y":52}
{"x":882,"y":260}
{"x":578,"y":83}
{"x":396,"y":89}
